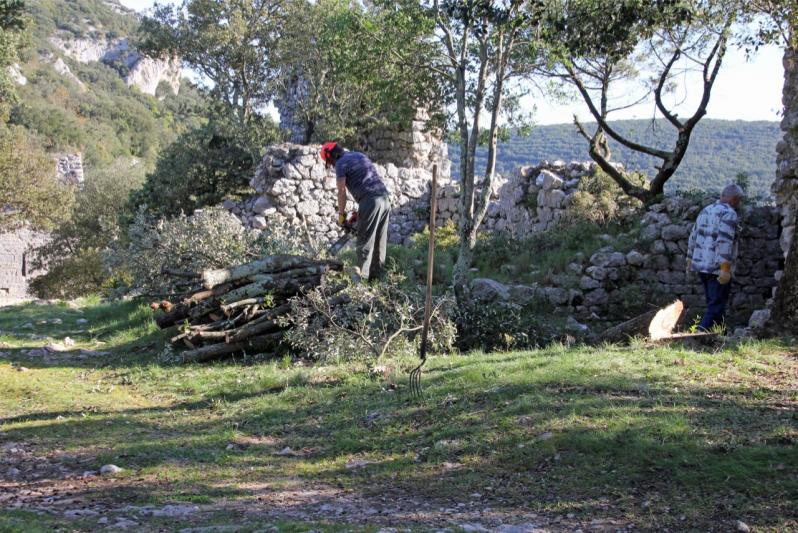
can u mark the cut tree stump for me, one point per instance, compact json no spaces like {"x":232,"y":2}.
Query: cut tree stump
{"x":657,"y":324}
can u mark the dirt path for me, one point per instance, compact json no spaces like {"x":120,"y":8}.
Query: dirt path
{"x":59,"y":486}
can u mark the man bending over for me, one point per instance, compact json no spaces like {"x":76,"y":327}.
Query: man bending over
{"x":355,"y":173}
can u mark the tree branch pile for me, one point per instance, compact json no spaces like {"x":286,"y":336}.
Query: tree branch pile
{"x":238,"y":309}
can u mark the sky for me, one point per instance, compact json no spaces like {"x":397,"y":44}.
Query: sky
{"x":746,"y":89}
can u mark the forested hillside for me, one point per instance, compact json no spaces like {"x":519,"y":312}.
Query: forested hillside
{"x":73,"y":94}
{"x":720,"y":149}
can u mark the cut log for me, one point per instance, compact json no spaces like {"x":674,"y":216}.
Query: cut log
{"x":251,"y":330}
{"x":656,"y":324}
{"x":277,"y":284}
{"x":267,"y":265}
{"x":213,"y":351}
{"x":178,"y":313}
{"x":215,"y":292}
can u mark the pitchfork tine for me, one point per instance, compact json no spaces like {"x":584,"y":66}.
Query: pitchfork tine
{"x":415,"y":380}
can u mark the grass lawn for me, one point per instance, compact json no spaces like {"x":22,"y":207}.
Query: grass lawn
{"x":597,"y":439}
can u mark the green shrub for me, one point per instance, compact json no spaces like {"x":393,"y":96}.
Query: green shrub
{"x":73,"y":255}
{"x":203,"y":166}
{"x":502,"y":326}
{"x":209,"y":238}
{"x":601,"y":201}
{"x":370,"y":321}
{"x":29,"y":190}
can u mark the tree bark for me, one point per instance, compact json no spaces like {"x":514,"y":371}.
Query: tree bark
{"x":277,"y":285}
{"x":267,"y":265}
{"x":214,"y":351}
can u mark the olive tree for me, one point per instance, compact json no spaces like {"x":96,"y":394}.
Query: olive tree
{"x":656,"y":45}
{"x":347,"y":68}
{"x":29,"y":191}
{"x":485,"y":50}
{"x":228,"y":42}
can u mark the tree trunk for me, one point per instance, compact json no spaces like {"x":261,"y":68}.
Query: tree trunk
{"x":465,"y":257}
{"x":213,"y":351}
{"x":271,"y":264}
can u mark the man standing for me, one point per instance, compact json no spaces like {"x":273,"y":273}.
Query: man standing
{"x":355,"y":172}
{"x":712,"y":250}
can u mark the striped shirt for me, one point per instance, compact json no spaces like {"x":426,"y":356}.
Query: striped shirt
{"x":361,"y":177}
{"x":714,"y":238}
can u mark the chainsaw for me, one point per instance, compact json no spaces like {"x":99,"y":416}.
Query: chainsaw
{"x":349,"y":229}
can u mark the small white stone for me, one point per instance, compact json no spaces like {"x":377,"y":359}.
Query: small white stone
{"x":110,"y":470}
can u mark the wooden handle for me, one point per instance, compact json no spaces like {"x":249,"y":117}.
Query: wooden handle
{"x":433,"y":204}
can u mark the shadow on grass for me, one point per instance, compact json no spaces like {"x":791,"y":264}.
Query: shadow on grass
{"x":540,"y":444}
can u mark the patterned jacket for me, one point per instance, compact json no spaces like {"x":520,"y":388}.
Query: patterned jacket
{"x":714,"y":238}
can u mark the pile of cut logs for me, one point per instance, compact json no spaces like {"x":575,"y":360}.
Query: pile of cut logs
{"x":236,"y":309}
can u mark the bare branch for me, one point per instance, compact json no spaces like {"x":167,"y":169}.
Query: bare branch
{"x":658,"y":91}
{"x":606,"y":127}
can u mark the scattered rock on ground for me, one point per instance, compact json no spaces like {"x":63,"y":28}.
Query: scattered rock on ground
{"x":520,"y":528}
{"x":358,"y":464}
{"x":489,"y":290}
{"x":743,"y":527}
{"x":110,"y":470}
{"x":473,"y":528}
{"x":287,"y":452}
{"x":177,"y":510}
{"x":759,"y":318}
{"x":211,"y":529}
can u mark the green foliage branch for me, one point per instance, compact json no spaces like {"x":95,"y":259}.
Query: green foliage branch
{"x":350,"y":68}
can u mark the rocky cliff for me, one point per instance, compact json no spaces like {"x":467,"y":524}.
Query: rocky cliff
{"x":138,"y":71}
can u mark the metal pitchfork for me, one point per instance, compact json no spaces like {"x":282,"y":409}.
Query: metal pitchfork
{"x":415,"y":375}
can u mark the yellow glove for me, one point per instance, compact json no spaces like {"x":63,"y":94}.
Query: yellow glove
{"x":725,"y":273}
{"x":341,"y":219}
{"x":688,"y":266}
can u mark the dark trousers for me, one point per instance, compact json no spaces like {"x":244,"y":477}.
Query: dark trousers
{"x":373,"y":214}
{"x":717,"y":295}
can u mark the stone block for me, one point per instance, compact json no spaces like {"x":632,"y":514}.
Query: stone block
{"x":549,"y":180}
{"x":489,"y":290}
{"x":635,"y":258}
{"x":608,"y":259}
{"x":675,"y":232}
{"x":556,"y":199}
{"x":261,"y":204}
{"x":307,"y":207}
{"x":556,"y":295}
{"x":523,"y":294}
{"x":589,"y":283}
{"x":596,"y":298}
{"x":597,"y":272}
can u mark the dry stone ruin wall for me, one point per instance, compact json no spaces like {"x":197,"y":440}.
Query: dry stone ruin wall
{"x":786,"y":185}
{"x":15,"y":270}
{"x":533,"y":199}
{"x":16,"y":246}
{"x":296,"y":190}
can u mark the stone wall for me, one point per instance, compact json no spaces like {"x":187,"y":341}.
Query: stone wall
{"x":620,"y":279}
{"x":14,"y":263}
{"x":69,"y":168}
{"x":413,"y":147}
{"x":295,"y":189}
{"x":786,"y":184}
{"x":533,"y":199}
